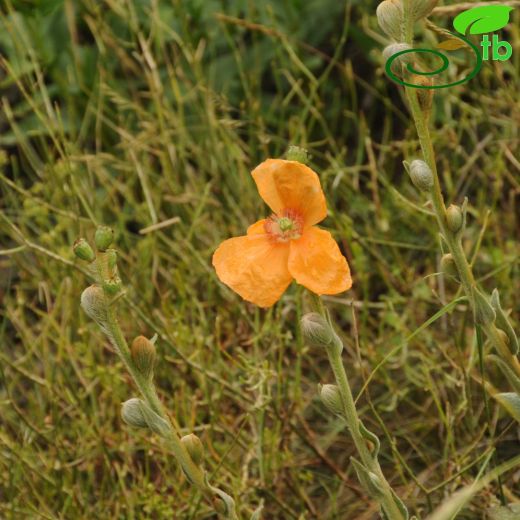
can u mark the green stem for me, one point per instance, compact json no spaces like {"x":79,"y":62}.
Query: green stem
{"x":453,"y":241}
{"x":386,"y":497}
{"x":194,"y":474}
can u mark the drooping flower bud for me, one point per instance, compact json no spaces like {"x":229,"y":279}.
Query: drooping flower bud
{"x":331,"y":398}
{"x":422,"y":8}
{"x":421,"y":175}
{"x":103,"y":238}
{"x":296,"y":153}
{"x":484,"y":311}
{"x":504,"y":323}
{"x":316,"y":331}
{"x":395,"y":48}
{"x":390,"y":17}
{"x":132,"y":413}
{"x":425,"y":94}
{"x":448,"y":266}
{"x":83,"y":250}
{"x":143,"y":354}
{"x":194,"y":447}
{"x":454,"y":218}
{"x":94,"y":305}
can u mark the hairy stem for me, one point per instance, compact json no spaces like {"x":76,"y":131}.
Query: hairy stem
{"x":194,"y":474}
{"x":453,"y":241}
{"x":385,"y":495}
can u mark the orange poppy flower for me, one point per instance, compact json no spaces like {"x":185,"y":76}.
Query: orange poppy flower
{"x":287,"y":245}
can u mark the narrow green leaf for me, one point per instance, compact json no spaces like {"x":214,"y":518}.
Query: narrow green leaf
{"x":367,"y":479}
{"x":369,"y":436}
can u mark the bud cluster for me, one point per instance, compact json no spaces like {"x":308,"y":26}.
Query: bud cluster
{"x":106,"y":259}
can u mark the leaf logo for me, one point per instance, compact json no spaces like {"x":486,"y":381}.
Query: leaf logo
{"x":484,"y":19}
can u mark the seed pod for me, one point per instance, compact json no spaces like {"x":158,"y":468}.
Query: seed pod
{"x":316,"y":331}
{"x":103,"y":238}
{"x":83,"y":250}
{"x":132,"y":414}
{"x":296,"y":153}
{"x":421,"y":175}
{"x":143,"y":354}
{"x":454,"y":218}
{"x":112,"y":286}
{"x":331,"y":398}
{"x":390,"y":17}
{"x":194,"y":447}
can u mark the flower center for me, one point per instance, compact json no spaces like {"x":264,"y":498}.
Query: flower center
{"x":285,"y":227}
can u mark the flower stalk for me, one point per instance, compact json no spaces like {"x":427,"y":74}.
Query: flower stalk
{"x":318,"y":327}
{"x":100,"y":302}
{"x":451,"y":222}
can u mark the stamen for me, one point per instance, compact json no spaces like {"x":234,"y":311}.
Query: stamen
{"x":285,"y":227}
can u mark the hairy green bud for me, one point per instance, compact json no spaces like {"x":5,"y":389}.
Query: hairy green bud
{"x":484,"y":311}
{"x":143,"y":354}
{"x":421,"y":175}
{"x":132,"y":413}
{"x":316,"y":331}
{"x":83,"y":250}
{"x":448,"y":266}
{"x":103,"y":238}
{"x":395,"y":48}
{"x":194,"y":447}
{"x":331,"y":398}
{"x":94,"y":304}
{"x":390,"y":17}
{"x":454,"y":218}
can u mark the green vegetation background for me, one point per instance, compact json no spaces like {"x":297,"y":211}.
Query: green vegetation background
{"x":132,"y":113}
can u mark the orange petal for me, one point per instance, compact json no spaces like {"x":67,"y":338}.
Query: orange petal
{"x":316,"y":262}
{"x":258,"y":228}
{"x":254,"y":267}
{"x":291,"y":185}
